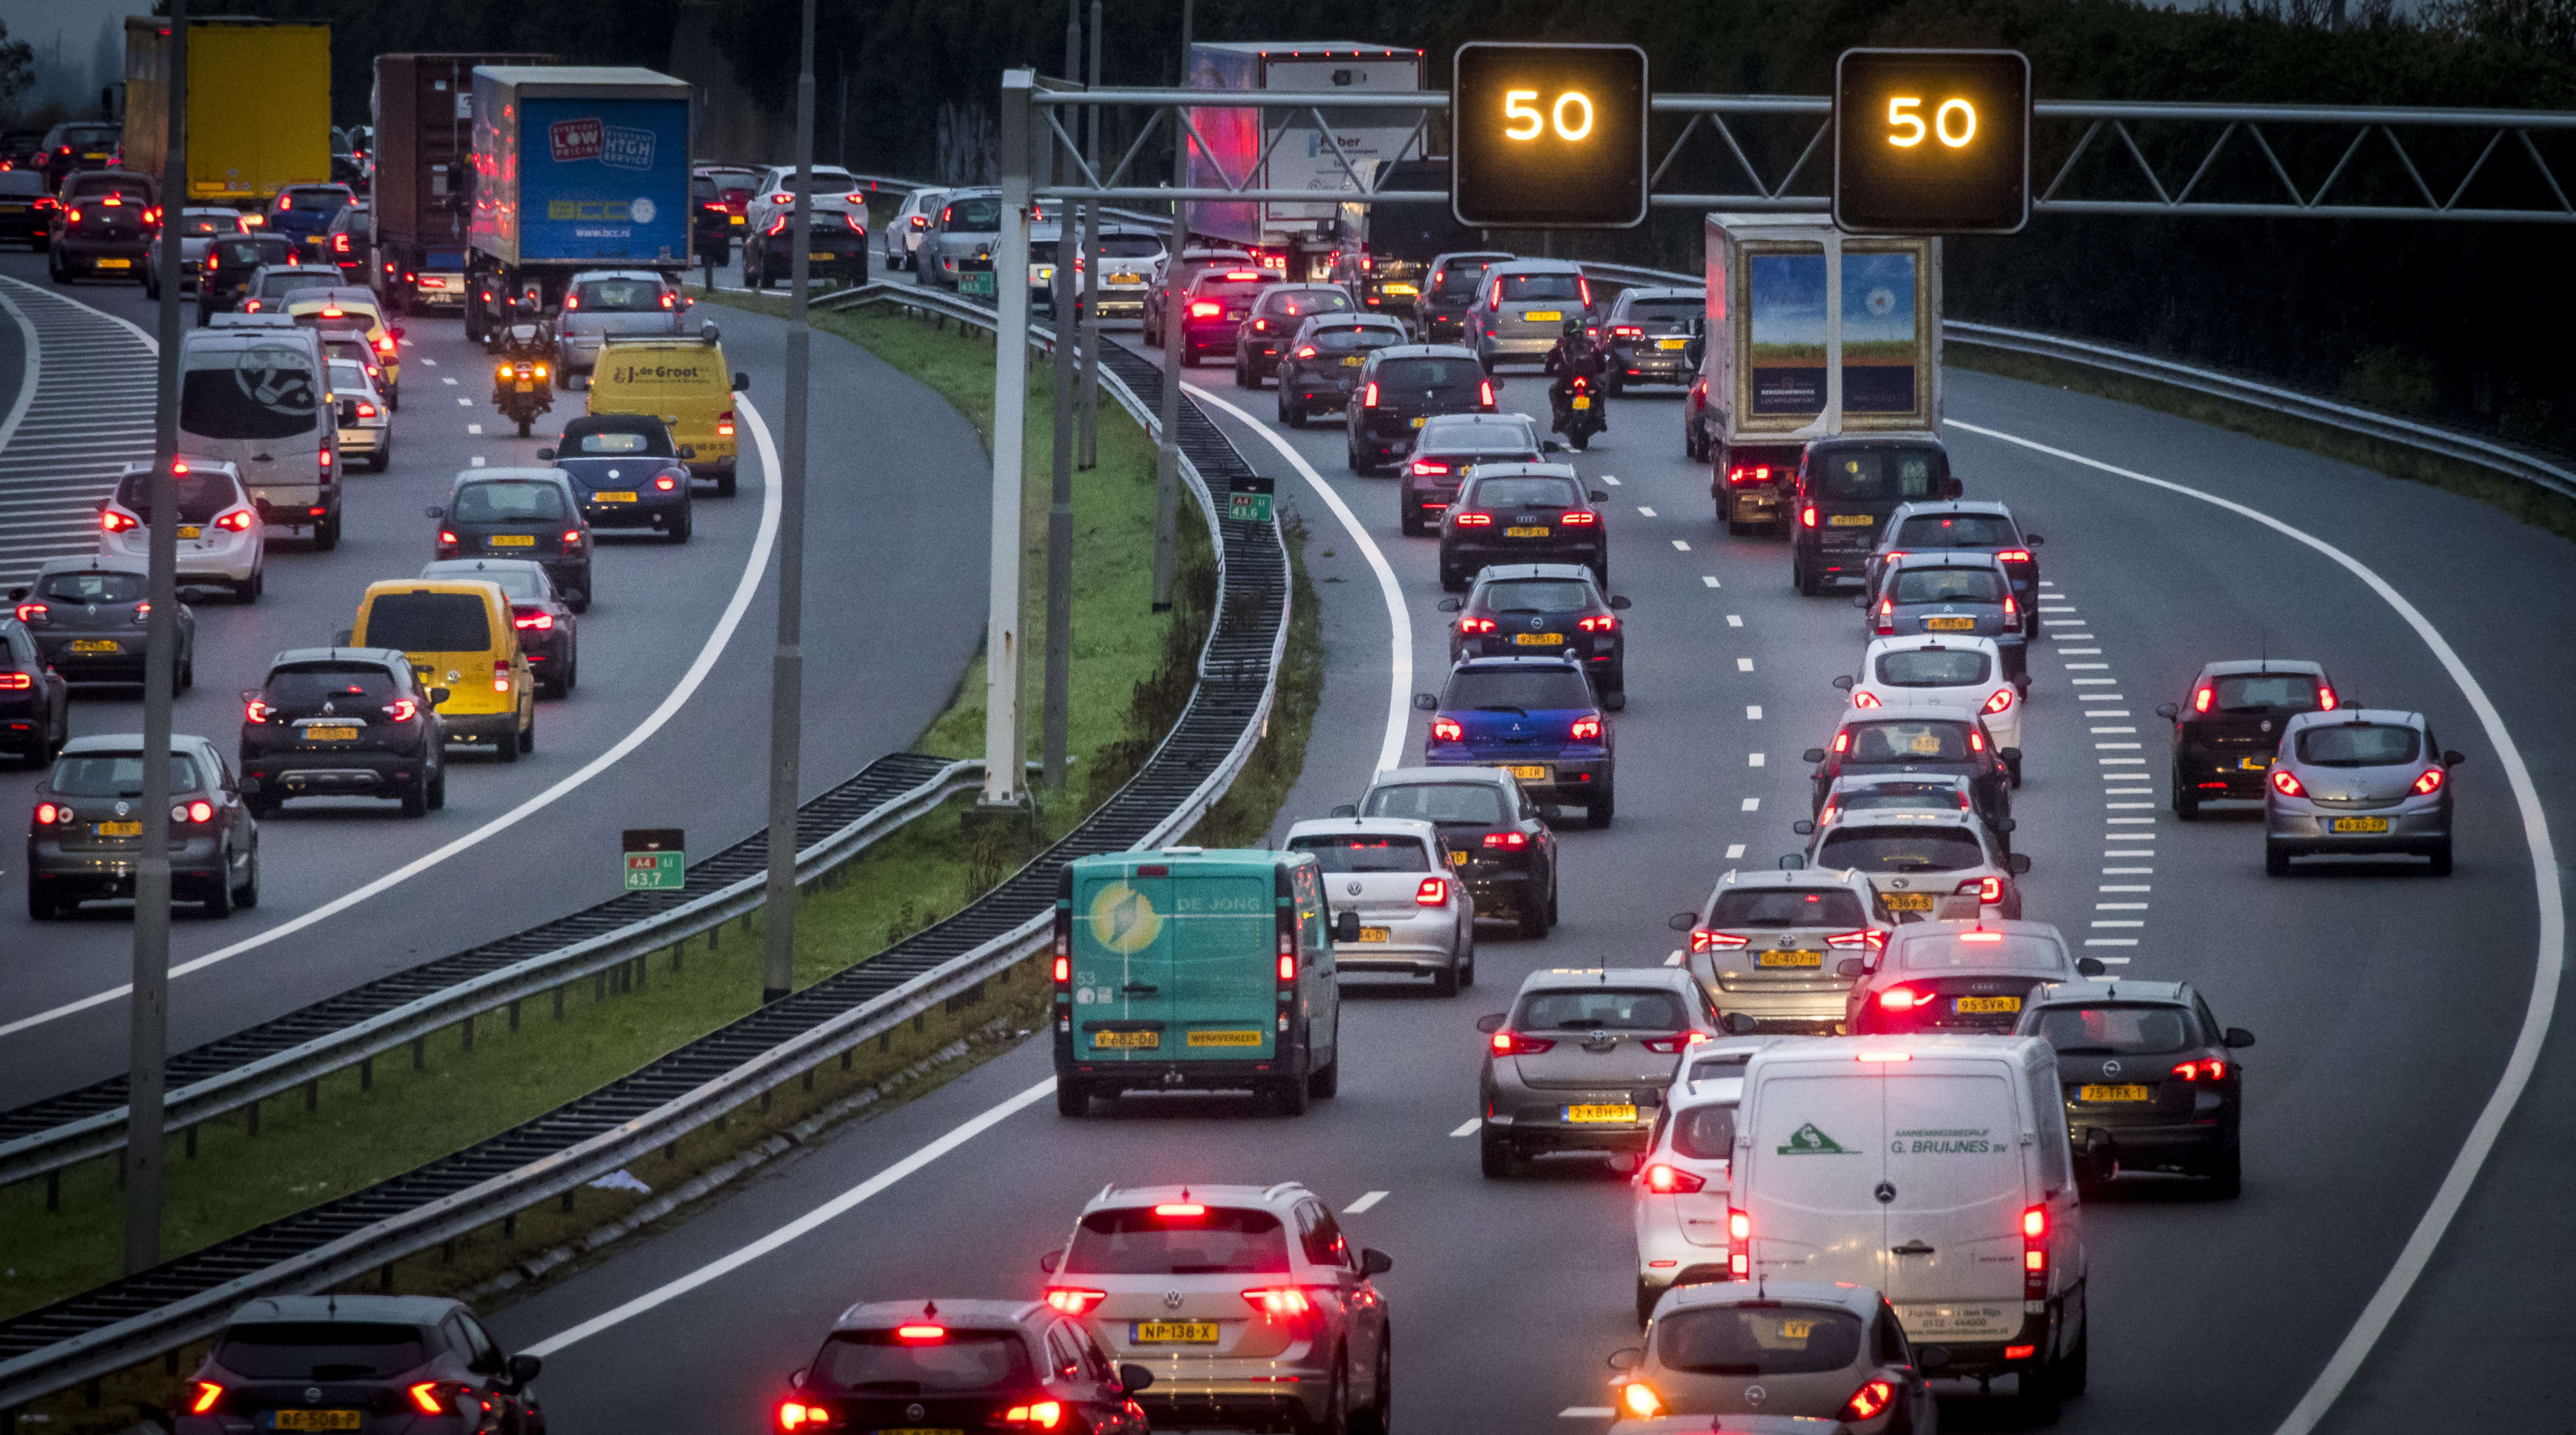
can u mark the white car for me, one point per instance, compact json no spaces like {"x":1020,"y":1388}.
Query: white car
{"x":1964,"y":670}
{"x":1396,"y":903}
{"x":222,"y":542}
{"x":1680,"y":1184}
{"x":777,"y":190}
{"x":366,"y":422}
{"x":1130,"y":256}
{"x":910,"y":225}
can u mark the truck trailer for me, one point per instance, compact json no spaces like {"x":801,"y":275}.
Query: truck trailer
{"x":1283,"y":149}
{"x":423,"y":108}
{"x":259,"y":106}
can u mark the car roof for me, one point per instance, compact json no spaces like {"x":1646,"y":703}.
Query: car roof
{"x":1903,"y":817}
{"x":1552,"y":662}
{"x":1125,"y":1198}
{"x":387,"y":657}
{"x":1461,"y":421}
{"x":2111,"y":989}
{"x":1913,"y":933}
{"x":615,"y":423}
{"x":1929,"y":643}
{"x":366,"y":1309}
{"x":1911,"y":705}
{"x":468,"y":567}
{"x":1840,"y":1050}
{"x":93,"y":563}
{"x":1562,"y":979}
{"x":1462,"y":776}
{"x":1364,"y":826}
{"x":1869,"y":778}
{"x":1909,"y":439}
{"x":194,"y":463}
{"x":1785,"y":879}
{"x":1504,"y":572}
{"x":1712,"y":1090}
{"x":451,"y":584}
{"x":1539,"y":266}
{"x":1423,"y":351}
{"x":512,"y":475}
{"x":962,"y":1314}
{"x":113,"y":742}
{"x":1544,"y":468}
{"x":2354,"y":717}
{"x":1860,"y":1300}
{"x":2232,"y":667}
{"x":652,"y":274}
{"x":1668,"y":292}
{"x":1498,"y":256}
{"x":1938,"y":507}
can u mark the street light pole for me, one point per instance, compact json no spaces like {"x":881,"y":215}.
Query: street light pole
{"x":1054,"y":721}
{"x":787,"y":668}
{"x":1167,"y":456}
{"x":1087,"y":451}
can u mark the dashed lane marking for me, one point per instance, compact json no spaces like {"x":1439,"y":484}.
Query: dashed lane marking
{"x":1753,"y":759}
{"x":1363,"y":1203}
{"x":1744,"y":665}
{"x":1733,"y":620}
{"x":1753,"y":712}
{"x":1682,"y":544}
{"x":1734,"y":850}
{"x":1465,"y":1128}
{"x":1709,"y":580}
{"x":1644,"y":512}
{"x":1753,"y":804}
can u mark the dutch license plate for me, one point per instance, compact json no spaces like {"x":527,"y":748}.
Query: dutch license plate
{"x":1601,"y":1114}
{"x":94,"y":645}
{"x":818,"y":256}
{"x":315,"y":1420}
{"x":1984,"y":1006}
{"x":13,"y":209}
{"x":120,"y":829}
{"x":115,"y":263}
{"x":1530,"y":772}
{"x":2252,"y":764}
{"x":527,"y":386}
{"x":1670,"y":343}
{"x":1851,"y":520}
{"x":1538,"y":640}
{"x":1583,"y":401}
{"x":512,"y":540}
{"x":1375,"y":934}
{"x":1950,"y":625}
{"x":1790,"y":957}
{"x":1126,"y":278}
{"x":1172,"y":1332}
{"x":1417,"y":423}
{"x":736,"y":219}
{"x":190,"y":530}
{"x":1225,"y":1038}
{"x":621,"y":496}
{"x":1525,"y":532}
{"x":1353,"y":362}
{"x":330,"y":734}
{"x":907,"y":1429}
{"x":1908,"y":901}
{"x":1127,"y":1040}
{"x":2358,"y":824}
{"x":1457,"y":859}
{"x":1543,"y":316}
{"x":2091,"y":1092}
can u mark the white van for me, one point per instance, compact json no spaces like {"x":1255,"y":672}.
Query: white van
{"x":259,"y":398}
{"x":1935,"y":1168}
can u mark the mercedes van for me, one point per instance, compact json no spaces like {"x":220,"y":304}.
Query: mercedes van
{"x":259,"y":398}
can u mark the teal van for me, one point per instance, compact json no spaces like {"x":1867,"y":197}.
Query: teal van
{"x":1190,"y":970}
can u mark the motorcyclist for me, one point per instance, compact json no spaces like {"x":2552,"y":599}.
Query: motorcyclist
{"x":526,"y":339}
{"x":1577,"y":351}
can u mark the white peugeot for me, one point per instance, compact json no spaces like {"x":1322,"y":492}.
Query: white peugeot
{"x":1965,"y":670}
{"x":222,"y":543}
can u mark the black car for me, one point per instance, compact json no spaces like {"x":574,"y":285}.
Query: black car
{"x":85,"y":837}
{"x":377,"y":1363}
{"x":26,"y":208}
{"x":1321,"y":362}
{"x":35,"y":701}
{"x":1277,"y":315}
{"x":88,"y":617}
{"x":103,"y":227}
{"x":22,"y":149}
{"x":519,"y":513}
{"x":1502,"y":849}
{"x":1440,"y":312}
{"x":626,"y":472}
{"x":2152,"y":1080}
{"x":2225,"y":733}
{"x":1217,"y":303}
{"x":1847,"y":488}
{"x":836,"y":246}
{"x":1955,"y":525}
{"x":347,"y":244}
{"x":549,"y":637}
{"x":231,"y":263}
{"x":1523,"y":513}
{"x":1400,"y":388}
{"x":964,"y":1365}
{"x":1448,"y":450}
{"x":1939,"y":740}
{"x":343,"y":722}
{"x":1649,"y":334}
{"x":717,"y":198}
{"x":74,"y":145}
{"x":1520,"y":608}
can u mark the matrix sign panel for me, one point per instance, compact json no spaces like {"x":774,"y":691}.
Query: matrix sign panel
{"x":1548,"y":136}
{"x":1932,"y":141}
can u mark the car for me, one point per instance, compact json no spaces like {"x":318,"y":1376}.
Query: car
{"x":1924,"y":864}
{"x":1521,"y":307}
{"x":1391,"y":887}
{"x":1278,"y":314}
{"x":1551,"y":607}
{"x":103,"y":224}
{"x":2225,"y":733}
{"x":1922,"y":735}
{"x":1130,"y":256}
{"x":1953,"y":594}
{"x":27,"y":208}
{"x":222,"y":543}
{"x":351,"y":307}
{"x":1678,"y":1200}
{"x":88,"y":617}
{"x":35,"y":701}
{"x":73,"y":146}
{"x":1829,"y":1351}
{"x":626,"y":303}
{"x":626,"y":472}
{"x":1247,"y":1304}
{"x":519,"y":513}
{"x":231,"y":262}
{"x":283,"y":1360}
{"x":1582,"y":1060}
{"x":1523,"y":513}
{"x":1967,"y":670}
{"x":85,"y":837}
{"x":343,"y":722}
{"x":1846,"y":489}
{"x":909,"y":227}
{"x":23,"y":150}
{"x":1320,"y":363}
{"x":776,"y":191}
{"x":347,"y":243}
{"x":970,"y":220}
{"x":685,"y":382}
{"x":1016,"y":1363}
{"x":1169,"y":280}
{"x":1537,"y":718}
{"x":1440,"y":314}
{"x":549,"y":637}
{"x":1448,"y":449}
{"x":1215,"y":305}
{"x":718,"y":197}
{"x":1648,"y":331}
{"x":2358,"y":782}
{"x":459,"y":634}
{"x":302,"y":211}
{"x":1770,"y":944}
{"x":1964,"y":977}
{"x":197,"y":228}
{"x":351,"y":346}
{"x":2153,"y":1082}
{"x":271,"y":285}
{"x":836,"y":242}
{"x":1974,"y":525}
{"x":1498,"y":842}
{"x":1400,"y":388}
{"x":1869,"y":790}
{"x":363,"y":416}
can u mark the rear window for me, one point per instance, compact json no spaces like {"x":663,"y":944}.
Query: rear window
{"x":1927,"y":848}
{"x":1441,"y":374}
{"x":519,"y":585}
{"x":348,"y":377}
{"x":2116,"y":1030}
{"x":93,"y":588}
{"x":1958,"y":530}
{"x":1522,"y":491}
{"x":264,"y":392}
{"x":1364,"y":854}
{"x":1137,"y":1242}
{"x":1933,"y":668}
{"x":1653,"y":311}
{"x":880,"y":1362}
{"x":507,"y":502}
{"x":2007,"y":950}
{"x":1948,"y":585}
{"x":1903,"y":796}
{"x":1878,"y":475}
{"x":320,"y":1350}
{"x":1778,"y":907}
{"x":313,"y":196}
{"x":204,"y":224}
{"x":2358,"y":745}
{"x":200,"y":494}
{"x":1539,"y":595}
{"x":1459,"y":277}
{"x":2265,"y":693}
{"x":428,"y":623}
{"x":1602,"y":1008}
{"x":1528,"y":689}
{"x":115,"y":774}
{"x":1478,"y":441}
{"x":1758,"y":1340}
{"x":117,"y":184}
{"x":613,"y":442}
{"x":94,"y":136}
{"x":1214,"y":288}
{"x":1437,"y":802}
{"x":311,"y":686}
{"x":1129,"y":246}
{"x":278,"y":286}
{"x":245,"y":252}
{"x":1705,"y":1133}
{"x":619,"y":296}
{"x":1517,"y":287}
{"x":1309,"y":301}
{"x":1354,"y":339}
{"x":1903,"y":741}
{"x":972,"y":216}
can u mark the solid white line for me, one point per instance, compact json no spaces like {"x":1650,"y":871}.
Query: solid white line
{"x":2547,"y":967}
{"x":745,"y":589}
{"x":1466,"y":1127}
{"x":1399,"y":693}
{"x":27,"y":388}
{"x":1363,"y":1203}
{"x":830,"y":1210}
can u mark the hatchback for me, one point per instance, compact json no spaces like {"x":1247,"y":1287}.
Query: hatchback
{"x":1498,"y":843}
{"x":2224,"y":735}
{"x":197,"y":228}
{"x":343,"y":722}
{"x":1797,"y":1351}
{"x":103,"y":225}
{"x":1648,"y":332}
{"x":1925,"y":736}
{"x":967,"y":1364}
{"x":1169,"y":280}
{"x":90,"y":618}
{"x":620,"y":302}
{"x":1582,"y":1060}
{"x":35,"y":701}
{"x":1322,"y":360}
{"x":1522,"y":513}
{"x":363,"y":416}
{"x":1969,"y":671}
{"x":908,"y":228}
{"x":306,"y":209}
{"x":271,"y":285}
{"x":549,"y":635}
{"x":2358,"y":782}
{"x":1521,"y":308}
{"x":1538,"y":719}
{"x":718,"y":198}
{"x":1923,"y":864}
{"x":1971,"y":978}
{"x":350,"y":307}
{"x":1864,"y":790}
{"x":375,"y":1363}
{"x":1551,"y":607}
{"x":519,"y":513}
{"x":1448,"y":290}
{"x":348,"y":243}
{"x":1129,"y":256}
{"x":222,"y":543}
{"x":1278,"y":314}
{"x":1392,"y":889}
{"x":1957,"y":525}
{"x":1846,"y":488}
{"x":836,"y":243}
{"x":1954,"y":595}
{"x":2152,"y":1080}
{"x":1679,"y":1187}
{"x":231,"y":262}
{"x":1402,"y":388}
{"x":1769,"y":944}
{"x":1217,"y":304}
{"x":1448,"y":450}
{"x":85,"y":838}
{"x":627,"y":472}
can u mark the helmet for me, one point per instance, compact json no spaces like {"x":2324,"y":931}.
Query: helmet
{"x":1573,"y":326}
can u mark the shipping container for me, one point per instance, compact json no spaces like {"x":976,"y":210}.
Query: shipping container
{"x":1283,"y":149}
{"x":423,"y":109}
{"x":259,"y":105}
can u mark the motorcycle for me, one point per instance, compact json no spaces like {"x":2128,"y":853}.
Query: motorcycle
{"x":521,"y":386}
{"x":1578,"y":411}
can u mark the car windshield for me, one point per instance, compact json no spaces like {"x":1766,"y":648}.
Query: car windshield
{"x":619,"y":296}
{"x":1518,"y":287}
{"x":1907,"y":741}
{"x":1705,"y":1133}
{"x":1136,"y":1241}
{"x":1758,"y":1340}
{"x":263,"y":391}
{"x":2265,"y":693}
{"x":1928,"y":848}
{"x":1354,"y":338}
{"x":278,"y":286}
{"x":508,"y":502}
{"x":1360,"y":853}
{"x":1129,"y":246}
{"x":1459,"y":376}
{"x":1955,"y":952}
{"x":2116,"y":1030}
{"x":201,"y":494}
{"x":1878,"y":475}
{"x":1957,"y":530}
{"x":1476,"y":802}
{"x":114,"y":774}
{"x":958,"y":1361}
{"x":1297,"y":302}
{"x":320,"y":1350}
{"x":304,"y":687}
{"x":1778,"y":907}
{"x":1933,"y":668}
{"x":972,"y":216}
{"x":1948,"y":585}
{"x":428,"y":623}
{"x":2358,"y":745}
{"x":1539,"y":595}
{"x":93,"y":588}
{"x":1516,"y":690}
{"x":1600,"y":1008}
{"x":1522,"y":491}
{"x":610,"y":443}
{"x":1665,"y":311}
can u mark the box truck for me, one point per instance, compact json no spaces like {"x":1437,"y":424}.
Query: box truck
{"x":1284,"y":149}
{"x":423,"y":108}
{"x":259,"y":106}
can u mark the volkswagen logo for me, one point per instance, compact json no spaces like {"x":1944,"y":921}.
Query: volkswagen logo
{"x":1755,"y":1395}
{"x":1171,"y":1300}
{"x":915,"y":1411}
{"x":313,"y":1395}
{"x":2110,"y":1068}
{"x":120,"y":811}
{"x":1353,"y":889}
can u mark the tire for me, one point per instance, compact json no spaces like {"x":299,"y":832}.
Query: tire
{"x":326,"y":534}
{"x":2186,"y":803}
{"x":1293,"y":415}
{"x":218,"y":903}
{"x":2072,"y":1374}
{"x":2226,"y":1183}
{"x":1242,"y":375}
{"x":679,"y":532}
{"x":1799,"y":578}
{"x":1598,"y":812}
{"x":1646,"y":1297}
{"x":523,"y":427}
{"x":1467,"y":963}
{"x":415,"y":799}
{"x":188,"y":668}
{"x":246,"y":896}
{"x":1325,"y":1082}
{"x":2276,"y":863}
{"x":246,"y":591}
{"x":2013,"y":767}
{"x":438,"y":788}
{"x":1495,"y":1155}
{"x":1289,"y":1096}
{"x":1072,"y":1098}
{"x":725,"y":484}
{"x":1337,"y":1403}
{"x":508,"y":748}
{"x":1552,"y":918}
{"x":40,"y":903}
{"x":2037,"y":1399}
{"x":264,"y":805}
{"x":528,"y":736}
{"x":1379,"y":1417}
{"x":2442,"y":859}
{"x":1408,"y":519}
{"x":1444,"y":983}
{"x":1533,"y":918}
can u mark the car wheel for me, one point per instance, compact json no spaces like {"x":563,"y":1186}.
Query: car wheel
{"x":246,"y":591}
{"x":1289,"y":1096}
{"x":1646,"y":1297}
{"x":1242,"y":375}
{"x":2226,"y":1182}
{"x":1616,"y":700}
{"x":2071,"y":1376}
{"x":1467,"y":960}
{"x":188,"y":668}
{"x":1378,"y":1417}
{"x":2186,"y":803}
{"x":1336,"y":1419}
{"x":2276,"y":862}
{"x":1552,"y":918}
{"x":1533,"y":917}
{"x":1451,"y":580}
{"x":1799,"y":578}
{"x":415,"y":798}
{"x":1494,"y":1153}
{"x":40,"y":902}
{"x":2013,"y":766}
{"x":1444,"y":983}
{"x":1072,"y":1098}
{"x":438,"y":788}
{"x":326,"y":534}
{"x":507,"y":747}
{"x":1325,"y":1083}
{"x":1598,"y":812}
{"x":1408,"y":518}
{"x":218,"y":903}
{"x":1293,"y":415}
{"x":679,"y":532}
{"x":725,"y":484}
{"x":246,"y":896}
{"x":528,"y":734}
{"x":2442,"y":859}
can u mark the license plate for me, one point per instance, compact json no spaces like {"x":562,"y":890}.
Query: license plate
{"x":1172,"y":1332}
{"x":1601,"y":1115}
{"x":190,"y":530}
{"x":1984,"y":1006}
{"x":1525,"y":532}
{"x":2091,"y":1092}
{"x":120,"y":829}
{"x":2358,"y":824}
{"x":907,"y":1429}
{"x":330,"y":734}
{"x":1457,"y":859}
{"x":1543,"y":316}
{"x":315,"y":1420}
{"x":115,"y":263}
{"x":1538,"y":640}
{"x":13,"y":208}
{"x":1126,"y":278}
{"x":1671,"y":343}
{"x":1375,"y":934}
{"x":2252,"y":764}
{"x":527,"y":386}
{"x":1127,"y":1040}
{"x":1583,"y":401}
{"x":1353,"y":362}
{"x":1789,"y":957}
{"x":1950,"y":625}
{"x":1851,"y":520}
{"x":1417,"y":423}
{"x":735,"y":219}
{"x":94,"y":645}
{"x":820,"y":257}
{"x":1530,"y":772}
{"x":1908,"y":901}
{"x":622,"y":496}
{"x":512,"y":540}
{"x":1225,"y":1038}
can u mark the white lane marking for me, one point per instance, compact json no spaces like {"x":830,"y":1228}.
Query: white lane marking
{"x":803,"y":1225}
{"x":2548,"y":963}
{"x":2078,"y":637}
{"x":2099,"y":923}
{"x":1466,"y":1127}
{"x":1734,"y":850}
{"x":2095,"y":681}
{"x":1682,"y":544}
{"x":2127,"y":872}
{"x":463,"y":402}
{"x":477,"y":460}
{"x":2117,"y":746}
{"x":433,"y":363}
{"x":474,"y":428}
{"x":1753,"y":804}
{"x":1673,"y":958}
{"x":2086,"y":667}
{"x":2129,"y":887}
{"x":1363,"y":1203}
{"x":1753,"y":712}
{"x":2045,"y":608}
{"x":2121,"y":906}
{"x":745,"y":589}
{"x":2127,"y":852}
{"x":2106,"y":712}
{"x":1735,"y":620}
{"x":2121,"y":761}
{"x":1709,"y":580}
{"x":1744,"y":665}
{"x":1753,"y":759}
{"x":2126,"y":806}
{"x":2114,"y":728}
{"x":1399,"y":695}
{"x":2130,"y":820}
{"x":2110,"y":961}
{"x":2076,"y":652}
{"x":1605,"y":478}
{"x":445,"y":379}
{"x":27,"y":381}
{"x":1644,"y":512}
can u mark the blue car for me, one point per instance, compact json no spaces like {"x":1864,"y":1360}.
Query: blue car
{"x":1536,"y":718}
{"x":626,"y":472}
{"x":303,"y":212}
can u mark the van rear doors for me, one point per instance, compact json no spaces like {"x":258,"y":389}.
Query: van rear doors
{"x":1956,"y":1174}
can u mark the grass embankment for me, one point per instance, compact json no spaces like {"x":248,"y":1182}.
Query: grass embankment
{"x":1132,"y":673}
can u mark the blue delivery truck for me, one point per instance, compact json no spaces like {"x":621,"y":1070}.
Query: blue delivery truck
{"x":575,"y":167}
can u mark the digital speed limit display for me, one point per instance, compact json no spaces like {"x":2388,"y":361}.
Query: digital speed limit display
{"x":1547,"y":136}
{"x":1932,"y":141}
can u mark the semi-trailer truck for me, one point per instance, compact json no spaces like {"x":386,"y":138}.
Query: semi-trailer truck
{"x":1283,"y":149}
{"x":259,"y":106}
{"x":423,"y":107}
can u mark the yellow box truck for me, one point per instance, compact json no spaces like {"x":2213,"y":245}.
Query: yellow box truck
{"x":259,"y":105}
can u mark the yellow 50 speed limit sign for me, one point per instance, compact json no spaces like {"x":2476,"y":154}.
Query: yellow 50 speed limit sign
{"x":1931,"y":141}
{"x":1547,"y":136}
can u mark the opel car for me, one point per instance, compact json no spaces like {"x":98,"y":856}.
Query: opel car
{"x":1959,"y":524}
{"x":1922,"y":864}
{"x":90,"y":618}
{"x":1582,"y":1060}
{"x":1967,"y":977}
{"x":1967,"y":670}
{"x":969,"y":1364}
{"x":1321,"y":362}
{"x":1679,"y":1187}
{"x":1498,"y":843}
{"x":2358,"y":782}
{"x":2153,"y":1082}
{"x":1923,"y":735}
{"x":1827,"y":1355}
{"x":1279,"y":312}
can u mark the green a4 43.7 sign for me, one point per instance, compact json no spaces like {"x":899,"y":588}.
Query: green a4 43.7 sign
{"x":654,"y":859}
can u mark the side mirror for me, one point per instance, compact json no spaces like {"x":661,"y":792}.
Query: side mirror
{"x":1346,"y":926}
{"x":1738,"y":1023}
{"x":1490,"y":1024}
{"x":796,"y":1379}
{"x":1803,"y":827}
{"x":1600,"y":495}
{"x":17,"y":593}
{"x":2453,"y":757}
{"x":545,"y":455}
{"x":1851,"y":969}
{"x":1844,"y":682}
{"x":2005,"y":824}
{"x":2236,"y":1036}
{"x":1678,"y":921}
{"x":2018,"y":864}
{"x":523,"y":1368}
{"x":1375,"y":1262}
{"x":2167,"y":711}
{"x":1813,"y":754}
{"x":1050,"y":1261}
{"x":396,"y":331}
{"x":1132,"y":1378}
{"x":437,"y":512}
{"x":1793,"y":863}
{"x":1619,"y":603}
{"x":1931,"y":1359}
{"x":2009,"y":754}
{"x":1451,"y":605}
{"x":688,"y":451}
{"x":1347,"y":809}
{"x":1549,"y":445}
{"x":1425,"y":702}
{"x":2032,"y":540}
{"x":1627,"y":1357}
{"x":742,"y":383}
{"x":341,"y":640}
{"x":437,"y":696}
{"x":2090,"y":966}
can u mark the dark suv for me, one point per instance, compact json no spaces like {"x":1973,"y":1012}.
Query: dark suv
{"x":1400,"y":388}
{"x":1323,"y":359}
{"x":231,"y":262}
{"x":965,"y":1364}
{"x":343,"y":722}
{"x":35,"y":701}
{"x":347,"y":242}
{"x":1518,"y":608}
{"x":2224,"y":735}
{"x":74,"y":146}
{"x":1440,"y":313}
{"x":103,"y":227}
{"x":1502,"y":848}
{"x":1522,"y":513}
{"x":1848,"y":488}
{"x":421,"y":1364}
{"x":2152,"y":1080}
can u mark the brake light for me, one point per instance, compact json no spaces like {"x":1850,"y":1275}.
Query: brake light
{"x":1368,"y":396}
{"x":1586,"y":729}
{"x":2014,"y":555}
{"x":1628,"y":331}
{"x":1204,"y":309}
{"x":1495,"y":306}
{"x":142,"y":614}
{"x":1704,"y":940}
{"x":204,"y":1400}
{"x":1073,"y":1301}
{"x":2200,"y":700}
{"x":1886,"y":614}
{"x":1641,"y":1400}
{"x":1903,"y":998}
{"x":1668,"y":1045}
{"x":724,"y":424}
{"x":1447,"y":730}
{"x":1758,"y":473}
{"x":1842,"y":741}
{"x":1434,"y":892}
{"x":1977,"y":741}
{"x":796,"y":1415}
{"x":2429,"y":783}
{"x":1739,"y":1243}
{"x":921,"y":221}
{"x":539,"y":621}
{"x":2034,"y":1253}
{"x":2002,"y":699}
{"x":1666,"y":1180}
{"x":340,"y":243}
{"x":782,"y":199}
{"x":1475,"y":520}
{"x":2011,"y":609}
{"x":385,"y":345}
{"x":197,"y":811}
{"x":921,"y":1332}
{"x":1044,"y":1414}
{"x":325,"y":457}
{"x":665,"y":483}
{"x":115,"y":522}
{"x":847,"y":218}
{"x":1426,"y":466}
{"x":1476,"y":625}
{"x":1510,"y":841}
{"x":1867,"y":1401}
{"x":1980,"y":936}
{"x":1512,"y":1043}
{"x":2326,"y":698}
{"x":1807,"y":515}
{"x":2209,"y":1069}
{"x":401,"y":709}
{"x":1485,"y":392}
{"x":1287,"y":962}
{"x":2285,"y":784}
{"x":16,"y":682}
{"x":1276,"y":1301}
{"x":1854,"y":939}
{"x":74,"y":215}
{"x":47,"y":814}
{"x":2020,"y":1352}
{"x":1578,"y":518}
{"x":424,"y":1398}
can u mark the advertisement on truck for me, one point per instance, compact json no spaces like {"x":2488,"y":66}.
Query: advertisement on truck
{"x":1241,"y":148}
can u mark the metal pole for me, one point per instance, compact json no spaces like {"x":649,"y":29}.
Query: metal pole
{"x":1053,"y":720}
{"x":151,"y":1007}
{"x":1087,"y":451}
{"x":1167,"y":455}
{"x":1003,"y":749}
{"x":787,"y":668}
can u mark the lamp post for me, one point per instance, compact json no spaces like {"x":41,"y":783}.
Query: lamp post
{"x":787,"y":667}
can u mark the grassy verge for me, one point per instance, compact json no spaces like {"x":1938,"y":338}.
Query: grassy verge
{"x":2526,"y":502}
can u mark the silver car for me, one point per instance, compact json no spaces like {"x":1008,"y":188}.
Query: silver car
{"x":1582,"y":1060}
{"x":1768,"y":944}
{"x":1949,"y":593}
{"x":1130,"y":256}
{"x":199,"y":226}
{"x":777,"y":191}
{"x":618,"y":303}
{"x":2358,"y":781}
{"x":969,"y":222}
{"x":1521,"y":308}
{"x":1933,"y":865}
{"x":1396,"y":905}
{"x":1824,"y":1351}
{"x":910,"y":226}
{"x":366,"y":422}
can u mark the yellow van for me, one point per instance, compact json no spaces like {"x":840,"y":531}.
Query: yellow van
{"x":458,"y":635}
{"x":685,"y":383}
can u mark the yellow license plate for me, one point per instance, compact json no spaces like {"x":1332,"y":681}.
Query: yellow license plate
{"x":330,"y":734}
{"x":1601,"y":1115}
{"x":1457,"y":859}
{"x":120,"y":829}
{"x":1126,"y":278}
{"x":622,"y":496}
{"x":1789,"y":957}
{"x":1984,"y":1006}
{"x":1417,"y":423}
{"x":1530,"y":772}
{"x":512,"y":540}
{"x":1525,"y":532}
{"x":316,"y":1420}
{"x":94,"y":645}
{"x":1375,"y":934}
{"x":1851,"y":520}
{"x":1353,"y":362}
{"x":1173,"y":1332}
{"x":734,"y":219}
{"x":908,"y":1429}
{"x":190,"y":530}
{"x":1543,"y":316}
{"x":818,"y":257}
{"x":1538,"y":640}
{"x":2113,"y":1093}
{"x":2358,"y":824}
{"x":1671,"y":343}
{"x":2252,"y":764}
{"x":13,"y":208}
{"x":1127,"y":1040}
{"x":1950,"y":625}
{"x":1225,"y":1038}
{"x":115,"y":263}
{"x":1583,"y":401}
{"x":1908,"y":901}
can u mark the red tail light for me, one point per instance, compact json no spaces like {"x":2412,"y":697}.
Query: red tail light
{"x":1434,"y":892}
{"x":2002,"y":699}
{"x":778,"y":225}
{"x":1509,"y":841}
{"x":2285,"y":784}
{"x":665,"y":483}
{"x":203,"y":1401}
{"x":1485,"y":390}
{"x":402,"y":709}
{"x":16,"y":682}
{"x":1886,"y":613}
{"x":1447,"y":730}
{"x":2014,"y":555}
{"x":1475,"y":520}
{"x":115,"y":522}
{"x":1475,"y":625}
{"x":197,"y":811}
{"x":2034,"y":1253}
{"x":47,"y":814}
{"x":1903,"y":999}
{"x":1807,"y":515}
{"x":1704,"y":940}
{"x":921,"y":1332}
{"x":1988,"y":890}
{"x":1668,"y":1045}
{"x":1642,"y":1401}
{"x":1855,"y":939}
{"x":1601,"y":623}
{"x":385,"y":344}
{"x":325,"y":458}
{"x":74,"y":215}
{"x":2200,"y":700}
{"x":1867,"y":1401}
{"x":1758,"y":473}
{"x":366,"y":410}
{"x":1274,"y":1302}
{"x":1180,"y":1210}
{"x":1426,"y":466}
{"x":256,"y":710}
{"x":446,"y":539}
{"x":724,"y":424}
{"x":1512,"y":1043}
{"x":2210,"y":1069}
{"x":1578,"y":518}
{"x":539,"y":621}
{"x":340,"y":243}
{"x":1203,"y":309}
{"x":1865,"y":699}
{"x":2430,"y":782}
{"x":1842,"y":741}
{"x":1287,"y":959}
{"x":2011,"y":609}
{"x":1044,"y":1414}
{"x":424,"y":1398}
{"x":1368,"y":396}
{"x":1628,"y":331}
{"x":782,"y":199}
{"x":795,"y":1415}
{"x":572,"y":538}
{"x":1666,"y":1180}
{"x":1739,"y":1244}
{"x":1586,"y":729}
{"x":1495,"y":306}
{"x":2326,"y":699}
{"x":1585,"y":287}
{"x":847,"y":218}
{"x":1073,"y":1301}
{"x":1976,"y":741}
